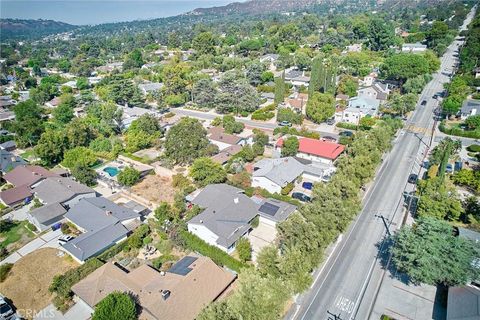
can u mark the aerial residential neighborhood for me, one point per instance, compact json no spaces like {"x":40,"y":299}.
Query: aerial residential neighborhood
{"x":256,"y":160}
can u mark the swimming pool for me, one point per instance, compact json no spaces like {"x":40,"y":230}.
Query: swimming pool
{"x":112,"y":171}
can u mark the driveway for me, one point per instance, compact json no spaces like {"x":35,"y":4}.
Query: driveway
{"x":19,"y":214}
{"x":48,"y":240}
{"x":260,"y":237}
{"x":79,"y":311}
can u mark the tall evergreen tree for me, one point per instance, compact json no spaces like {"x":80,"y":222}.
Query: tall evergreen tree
{"x":279,"y":89}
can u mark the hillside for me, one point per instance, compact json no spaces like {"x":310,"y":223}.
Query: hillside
{"x":258,"y":7}
{"x":30,"y":29}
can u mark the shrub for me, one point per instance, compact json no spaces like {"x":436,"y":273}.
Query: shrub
{"x":346,"y":125}
{"x":295,"y":132}
{"x":244,"y":249}
{"x":458,"y":132}
{"x":285,"y":114}
{"x":287,"y":189}
{"x":116,"y":305}
{"x":218,"y":256}
{"x":474,"y":148}
{"x":5,"y":270}
{"x":128,"y":176}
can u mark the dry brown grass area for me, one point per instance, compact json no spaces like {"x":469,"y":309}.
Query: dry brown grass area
{"x":28,"y":281}
{"x":155,"y":188}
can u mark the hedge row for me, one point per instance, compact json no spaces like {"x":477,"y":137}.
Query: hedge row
{"x":346,"y":125}
{"x":218,"y":256}
{"x":295,"y":132}
{"x":458,"y":132}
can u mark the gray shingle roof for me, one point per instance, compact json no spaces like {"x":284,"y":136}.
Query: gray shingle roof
{"x":228,"y":212}
{"x":96,"y":213}
{"x":48,"y":212}
{"x":469,"y":234}
{"x":463,"y":303}
{"x":285,"y":170}
{"x":89,"y":244}
{"x":60,"y":189}
{"x":469,"y":105}
{"x":8,"y":161}
{"x":275,"y":210}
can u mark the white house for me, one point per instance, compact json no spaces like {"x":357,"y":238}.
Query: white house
{"x":377,"y":91}
{"x":271,"y":60}
{"x":414,"y":48}
{"x":222,"y":140}
{"x":470,"y":107}
{"x":275,"y":174}
{"x":359,"y":107}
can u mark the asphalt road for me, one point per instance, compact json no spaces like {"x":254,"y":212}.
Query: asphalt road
{"x":347,"y":285}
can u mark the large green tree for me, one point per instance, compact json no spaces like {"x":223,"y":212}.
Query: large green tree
{"x":428,"y":252}
{"x":28,"y":124}
{"x":205,"y":171}
{"x":380,"y":34}
{"x":116,"y":305}
{"x":186,"y":141}
{"x":320,"y":107}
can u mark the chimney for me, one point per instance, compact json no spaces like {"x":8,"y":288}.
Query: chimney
{"x":235,"y":200}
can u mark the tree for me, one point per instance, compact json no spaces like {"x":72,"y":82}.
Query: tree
{"x":84,"y":175}
{"x":429,"y":253}
{"x":279,"y":89}
{"x":473,"y":122}
{"x":204,"y":93}
{"x":244,"y":249}
{"x":164,"y":212}
{"x":63,"y":114}
{"x":205,"y":171}
{"x":186,"y":141}
{"x":133,"y":60}
{"x":260,"y":137}
{"x":128,"y":176}
{"x":82,"y":83}
{"x":290,"y":147}
{"x":231,"y":126}
{"x":204,"y":43}
{"x":236,"y":95}
{"x":401,"y":104}
{"x":380,"y":34}
{"x":254,"y":72}
{"x":404,"y":66}
{"x":320,"y":107}
{"x":116,"y":305}
{"x":348,"y":85}
{"x":287,"y":114}
{"x":51,"y":146}
{"x":438,"y":200}
{"x":28,"y":124}
{"x":79,"y":156}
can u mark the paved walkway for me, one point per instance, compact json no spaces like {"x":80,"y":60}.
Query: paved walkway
{"x":79,"y":311}
{"x":48,"y":240}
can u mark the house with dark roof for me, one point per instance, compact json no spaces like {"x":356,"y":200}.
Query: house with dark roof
{"x":222,"y":140}
{"x":226,"y":154}
{"x":316,"y":150}
{"x":8,"y":145}
{"x":103,"y":223}
{"x":378,"y":91}
{"x":179,"y":293}
{"x":463,"y":303}
{"x":275,"y":174}
{"x":9,"y":161}
{"x":470,"y":107}
{"x":226,"y":217}
{"x":61,"y":190}
{"x":46,"y":216}
{"x":22,"y":178}
{"x":273,"y":211}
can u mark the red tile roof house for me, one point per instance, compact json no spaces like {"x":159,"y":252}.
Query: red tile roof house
{"x":316,"y":150}
{"x":22,"y":178}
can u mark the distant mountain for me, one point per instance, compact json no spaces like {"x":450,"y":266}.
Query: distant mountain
{"x":258,"y":7}
{"x":31,"y":29}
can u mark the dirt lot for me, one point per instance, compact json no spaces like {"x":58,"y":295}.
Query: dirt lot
{"x":28,"y":281}
{"x":155,"y":188}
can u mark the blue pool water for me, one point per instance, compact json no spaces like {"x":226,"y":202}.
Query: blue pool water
{"x":112,"y":171}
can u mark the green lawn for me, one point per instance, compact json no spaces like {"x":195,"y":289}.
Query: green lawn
{"x":14,"y":232}
{"x":28,"y":154}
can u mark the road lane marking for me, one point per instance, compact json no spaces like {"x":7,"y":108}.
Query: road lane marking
{"x":344,"y":304}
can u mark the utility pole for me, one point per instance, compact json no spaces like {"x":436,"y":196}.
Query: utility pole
{"x":384,"y":222}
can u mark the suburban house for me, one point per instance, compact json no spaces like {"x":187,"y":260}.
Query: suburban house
{"x":179,"y":293}
{"x":57,"y":194}
{"x":8,"y":145}
{"x":414,"y":47}
{"x":222,"y":140}
{"x":367,"y":81}
{"x":273,"y":211}
{"x":316,"y":150}
{"x":359,"y":107}
{"x":297,"y":102}
{"x":22,"y":178}
{"x":103,"y":223}
{"x":131,"y":114}
{"x":53,"y":103}
{"x":377,"y":91}
{"x":226,"y":154}
{"x":109,"y":67}
{"x":275,"y":174}
{"x":150,"y":87}
{"x":9,"y":161}
{"x":271,"y":60}
{"x":269,"y":97}
{"x":470,"y":107}
{"x":227,"y":215}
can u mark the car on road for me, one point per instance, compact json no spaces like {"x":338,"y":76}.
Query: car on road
{"x":449,"y":168}
{"x":307,"y":185}
{"x":435,"y":96}
{"x":412,"y":178}
{"x":423,"y":103}
{"x":331,"y":122}
{"x":300,"y":196}
{"x":284,"y":124}
{"x":328,"y":138}
{"x":64,"y":239}
{"x":346,"y":134}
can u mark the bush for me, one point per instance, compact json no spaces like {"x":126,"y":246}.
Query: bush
{"x":295,"y":132}
{"x":285,"y":114}
{"x":218,"y":256}
{"x":287,"y":189}
{"x":112,"y":251}
{"x":5,"y":270}
{"x":265,"y":113}
{"x":474,"y":148}
{"x":244,"y":249}
{"x":458,"y":132}
{"x":346,"y":125}
{"x":116,"y":305}
{"x":128,"y":176}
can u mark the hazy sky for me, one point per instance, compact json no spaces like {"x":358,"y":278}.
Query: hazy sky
{"x":100,"y":11}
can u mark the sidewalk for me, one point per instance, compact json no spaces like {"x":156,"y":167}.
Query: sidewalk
{"x":48,"y":240}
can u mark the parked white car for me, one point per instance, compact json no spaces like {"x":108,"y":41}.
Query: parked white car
{"x":64,"y":239}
